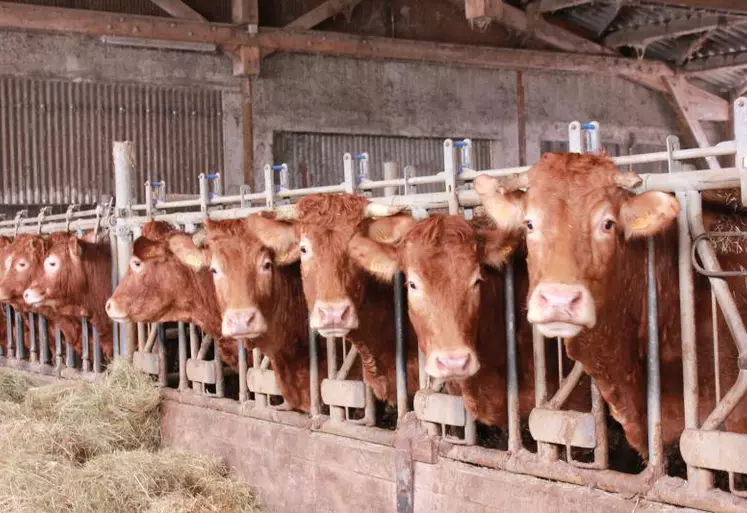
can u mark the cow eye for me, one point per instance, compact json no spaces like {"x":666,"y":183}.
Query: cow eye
{"x":530,"y":225}
{"x":412,"y":285}
{"x":213,"y":271}
{"x":266,"y":265}
{"x":477,"y":281}
{"x":608,"y":224}
{"x":304,"y":250}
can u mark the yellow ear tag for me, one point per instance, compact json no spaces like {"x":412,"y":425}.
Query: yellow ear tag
{"x":194,"y":261}
{"x":640,"y":223}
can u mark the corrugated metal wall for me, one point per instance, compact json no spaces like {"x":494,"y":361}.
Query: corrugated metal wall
{"x":316,"y":159}
{"x":57,"y":137}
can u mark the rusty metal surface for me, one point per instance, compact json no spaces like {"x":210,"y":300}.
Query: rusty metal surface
{"x":201,"y":371}
{"x":262,"y":381}
{"x":56,"y":137}
{"x":440,"y":408}
{"x":347,"y":393}
{"x":563,"y":427}
{"x":715,"y":450}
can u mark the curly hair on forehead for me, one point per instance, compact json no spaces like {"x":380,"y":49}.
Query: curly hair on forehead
{"x":157,"y":230}
{"x":441,"y":230}
{"x":33,"y":245}
{"x":328,"y":209}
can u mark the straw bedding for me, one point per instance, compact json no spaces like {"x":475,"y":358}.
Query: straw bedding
{"x":79,"y":447}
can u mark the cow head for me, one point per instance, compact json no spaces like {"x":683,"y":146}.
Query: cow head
{"x":157,"y":286}
{"x":243,"y":256}
{"x":22,"y":257}
{"x":61,"y":280}
{"x":444,"y":259}
{"x":332,"y":281}
{"x":577,"y":215}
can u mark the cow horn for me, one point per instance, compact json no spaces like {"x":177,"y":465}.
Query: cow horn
{"x":198,"y":238}
{"x":628,"y":180}
{"x":379,"y":210}
{"x":286,"y":213}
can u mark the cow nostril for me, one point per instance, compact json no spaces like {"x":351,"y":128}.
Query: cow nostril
{"x":575,"y":300}
{"x":345,"y":313}
{"x":250,"y":319}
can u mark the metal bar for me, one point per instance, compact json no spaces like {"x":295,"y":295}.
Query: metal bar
{"x":336,"y":413}
{"x":86,"y":359}
{"x":97,"y":368}
{"x":33,"y":352}
{"x":655,"y":447}
{"x":260,"y":400}
{"x":194,"y":347}
{"x":19,"y":336}
{"x":512,"y":383}
{"x":220,"y":386}
{"x":546,"y":451}
{"x":243,"y":368}
{"x":400,"y":327}
{"x":714,"y":328}
{"x":204,"y":347}
{"x":8,"y":331}
{"x":347,"y":364}
{"x":182,"y":334}
{"x":728,"y":403}
{"x":720,"y":288}
{"x":43,"y":341}
{"x":141,"y":336}
{"x":601,"y":451}
{"x":316,"y":400}
{"x":123,"y":155}
{"x":566,"y":387}
{"x":58,"y":348}
{"x":163,"y":364}
{"x":115,"y":281}
{"x":152,"y":336}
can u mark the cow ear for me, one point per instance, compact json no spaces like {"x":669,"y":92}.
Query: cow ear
{"x":497,"y":246}
{"x":185,"y":250}
{"x":74,"y":247}
{"x":147,"y":249}
{"x":389,"y":230}
{"x":504,"y":207}
{"x":279,"y":236}
{"x":648,"y":214}
{"x":378,"y":259}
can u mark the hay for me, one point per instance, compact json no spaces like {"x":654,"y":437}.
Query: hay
{"x":79,"y":447}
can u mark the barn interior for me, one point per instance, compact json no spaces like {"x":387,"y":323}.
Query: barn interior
{"x":234,"y":104}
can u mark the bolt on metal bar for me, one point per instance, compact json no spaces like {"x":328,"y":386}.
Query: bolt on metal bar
{"x":33,"y":352}
{"x":655,"y":447}
{"x":97,"y":368}
{"x":86,"y":361}
{"x":400,"y":327}
{"x":44,"y":355}
{"x":512,"y":383}
{"x":315,"y":392}
{"x":19,"y":336}
{"x":182,"y":334}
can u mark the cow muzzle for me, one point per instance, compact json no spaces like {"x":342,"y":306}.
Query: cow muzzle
{"x":114,"y":311}
{"x":243,"y":323}
{"x":561,"y":310}
{"x":33,"y":297}
{"x":452,"y":363}
{"x":333,"y":318}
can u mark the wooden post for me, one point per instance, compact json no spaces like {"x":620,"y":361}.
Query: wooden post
{"x":521,"y":120}
{"x":247,"y":121}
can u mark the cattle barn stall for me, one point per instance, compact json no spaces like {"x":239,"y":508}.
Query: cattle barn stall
{"x":439,"y":435}
{"x":348,"y":453}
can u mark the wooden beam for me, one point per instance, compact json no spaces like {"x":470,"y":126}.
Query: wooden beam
{"x":178,"y":9}
{"x":246,"y":61}
{"x":321,"y":13}
{"x":92,"y":23}
{"x":650,"y":33}
{"x":741,"y":90}
{"x":727,"y":61}
{"x":679,"y":94}
{"x":736,"y":6}
{"x":693,"y":47}
{"x":555,"y":5}
{"x":706,"y":106}
{"x":245,"y":12}
{"x":481,"y":9}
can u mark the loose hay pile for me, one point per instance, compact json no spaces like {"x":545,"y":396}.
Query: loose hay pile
{"x":78,"y":447}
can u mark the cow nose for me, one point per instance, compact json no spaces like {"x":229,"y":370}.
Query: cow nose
{"x":334,"y":318}
{"x":244,"y":322}
{"x":31,"y":296}
{"x":455,"y":363}
{"x":113,"y":310}
{"x":561,"y":310}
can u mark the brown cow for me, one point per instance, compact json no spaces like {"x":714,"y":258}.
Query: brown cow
{"x":160,"y":288}
{"x":344,"y":299}
{"x":458,"y":310}
{"x":24,"y":255}
{"x":258,"y":286}
{"x":587,"y":256}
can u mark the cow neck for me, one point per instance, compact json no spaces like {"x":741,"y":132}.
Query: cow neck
{"x":202,"y":304}
{"x":97,"y":266}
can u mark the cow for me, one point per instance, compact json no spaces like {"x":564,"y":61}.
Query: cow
{"x":254,"y":265}
{"x":75,"y":279}
{"x":159,"y":288}
{"x":456,"y":303}
{"x":22,"y":257}
{"x":343,"y":299}
{"x":586,"y":256}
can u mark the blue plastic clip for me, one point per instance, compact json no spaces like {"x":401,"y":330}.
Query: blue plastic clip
{"x":359,"y":156}
{"x":212,"y":176}
{"x":155,"y":185}
{"x":277,"y":167}
{"x":588,"y":126}
{"x":459,"y":144}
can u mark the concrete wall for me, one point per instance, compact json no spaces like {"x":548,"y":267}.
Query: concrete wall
{"x":295,"y":470}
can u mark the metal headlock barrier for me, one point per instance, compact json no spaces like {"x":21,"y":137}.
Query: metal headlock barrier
{"x":708,"y":449}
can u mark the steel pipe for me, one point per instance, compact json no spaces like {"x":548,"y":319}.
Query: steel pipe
{"x":653,"y":384}
{"x":512,"y":382}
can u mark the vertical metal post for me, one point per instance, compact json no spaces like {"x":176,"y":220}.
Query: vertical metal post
{"x":220,"y":390}
{"x":96,"y":351}
{"x":260,"y":400}
{"x":194,"y":349}
{"x":400,"y":333}
{"x":43,"y":340}
{"x":348,"y":173}
{"x":335,"y":412}
{"x":19,"y":336}
{"x":115,"y":281}
{"x":512,"y":383}
{"x":269,"y":186}
{"x":547,"y":452}
{"x":141,"y":336}
{"x":86,"y":363}
{"x":58,"y":348}
{"x":182,"y":333}
{"x":656,"y":459}
{"x":163,"y":364}
{"x":316,"y":400}
{"x":124,"y":172}
{"x":391,"y":172}
{"x":740,"y":138}
{"x":601,"y":451}
{"x":450,"y":176}
{"x":33,"y":353}
{"x":69,"y":355}
{"x":8,"y":332}
{"x":243,"y":368}
{"x":575,"y":144}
